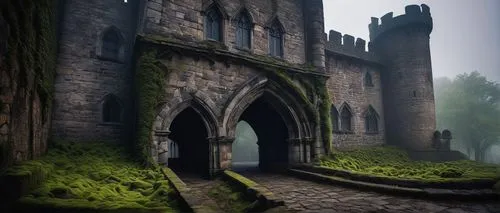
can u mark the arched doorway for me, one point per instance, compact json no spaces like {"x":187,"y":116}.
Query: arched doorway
{"x":271,"y":132}
{"x":189,"y":137}
{"x":245,"y":150}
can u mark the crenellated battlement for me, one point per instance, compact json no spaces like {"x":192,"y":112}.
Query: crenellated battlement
{"x":346,"y":45}
{"x":414,"y":14}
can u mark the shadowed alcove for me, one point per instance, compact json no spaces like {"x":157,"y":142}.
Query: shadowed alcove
{"x":272,"y":135}
{"x":189,"y":133}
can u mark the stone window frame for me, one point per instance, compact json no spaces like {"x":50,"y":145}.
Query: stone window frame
{"x":100,"y":46}
{"x":371,"y":113}
{"x":236,"y":22}
{"x":334,"y":113}
{"x":345,"y":107}
{"x":275,"y":22}
{"x":105,"y":99}
{"x":216,"y":7}
{"x":368,"y":79}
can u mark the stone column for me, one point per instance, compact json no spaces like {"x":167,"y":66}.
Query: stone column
{"x":294,"y":151}
{"x":160,"y":143}
{"x":308,"y":143}
{"x":225,"y":152}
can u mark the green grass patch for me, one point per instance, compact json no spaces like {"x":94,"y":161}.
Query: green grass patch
{"x":392,"y":162}
{"x":228,"y":199}
{"x":96,"y":176}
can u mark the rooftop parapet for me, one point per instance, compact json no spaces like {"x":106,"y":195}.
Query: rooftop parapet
{"x":348,"y":46}
{"x":414,"y":14}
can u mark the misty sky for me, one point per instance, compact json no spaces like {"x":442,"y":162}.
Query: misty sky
{"x":466,"y":34}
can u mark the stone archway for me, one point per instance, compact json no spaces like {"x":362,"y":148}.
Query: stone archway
{"x":283,"y":108}
{"x":183,"y":134}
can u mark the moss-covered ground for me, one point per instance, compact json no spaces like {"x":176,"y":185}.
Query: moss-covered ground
{"x":96,"y":177}
{"x":394,"y":163}
{"x":228,"y":199}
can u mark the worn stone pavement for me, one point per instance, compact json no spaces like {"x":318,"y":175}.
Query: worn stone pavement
{"x":307,"y":196}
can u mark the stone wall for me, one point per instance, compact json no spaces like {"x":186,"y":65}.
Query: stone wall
{"x":27,"y":66}
{"x":84,"y":79}
{"x":347,"y":86}
{"x":185,"y":19}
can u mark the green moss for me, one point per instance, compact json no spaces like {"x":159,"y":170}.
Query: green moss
{"x":229,"y":200}
{"x":95,"y":176}
{"x":393,"y":162}
{"x":149,"y":80}
{"x":247,"y":182}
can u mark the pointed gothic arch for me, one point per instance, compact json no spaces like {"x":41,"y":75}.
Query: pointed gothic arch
{"x":346,"y":118}
{"x":244,"y":28}
{"x":111,"y":45}
{"x":371,"y":120}
{"x":111,"y":109}
{"x":197,"y":100}
{"x":214,"y":21}
{"x":276,"y":37}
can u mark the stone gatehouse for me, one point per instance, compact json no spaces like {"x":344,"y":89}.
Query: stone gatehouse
{"x":219,"y":55}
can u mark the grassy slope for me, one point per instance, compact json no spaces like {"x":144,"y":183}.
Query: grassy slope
{"x":96,"y":176}
{"x":393,"y":162}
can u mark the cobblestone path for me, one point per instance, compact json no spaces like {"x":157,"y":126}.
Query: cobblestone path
{"x":307,"y":196}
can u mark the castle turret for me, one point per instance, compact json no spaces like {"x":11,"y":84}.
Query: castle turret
{"x":402,"y":44}
{"x":313,"y":10}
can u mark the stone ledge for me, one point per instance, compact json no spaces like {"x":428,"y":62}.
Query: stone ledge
{"x":427,"y":193}
{"x":193,"y":203}
{"x":267,"y":200}
{"x":214,"y":50}
{"x":472,"y":184}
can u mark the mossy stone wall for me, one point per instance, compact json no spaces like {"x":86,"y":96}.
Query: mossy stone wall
{"x":27,"y":68}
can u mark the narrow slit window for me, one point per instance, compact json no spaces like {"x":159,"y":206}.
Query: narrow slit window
{"x":276,"y":40}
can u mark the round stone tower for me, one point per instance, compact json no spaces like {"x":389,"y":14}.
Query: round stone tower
{"x":402,"y":44}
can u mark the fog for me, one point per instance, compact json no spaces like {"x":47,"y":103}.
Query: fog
{"x":245,"y":148}
{"x":466,"y":34}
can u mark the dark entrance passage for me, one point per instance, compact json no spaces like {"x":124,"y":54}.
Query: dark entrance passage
{"x":271,"y":134}
{"x":189,"y":134}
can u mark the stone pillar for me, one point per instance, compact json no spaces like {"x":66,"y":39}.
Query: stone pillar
{"x":315,"y":33}
{"x":213,"y":147}
{"x":220,"y":154}
{"x":308,"y":143}
{"x":294,"y":151}
{"x":225,"y":152}
{"x":162,"y":141}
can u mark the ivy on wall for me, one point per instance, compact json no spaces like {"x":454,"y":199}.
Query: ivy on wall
{"x":29,"y":66}
{"x":150,"y":88}
{"x":32,"y":44}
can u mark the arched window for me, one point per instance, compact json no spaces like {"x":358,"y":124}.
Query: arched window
{"x":111,"y":44}
{"x":213,"y":24}
{"x":112,"y":110}
{"x":335,"y":118}
{"x":345,"y":119}
{"x":276,"y":39}
{"x":371,"y":120}
{"x":244,"y":31}
{"x":368,"y":80}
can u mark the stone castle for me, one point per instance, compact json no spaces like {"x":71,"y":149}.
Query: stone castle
{"x":219,"y":55}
